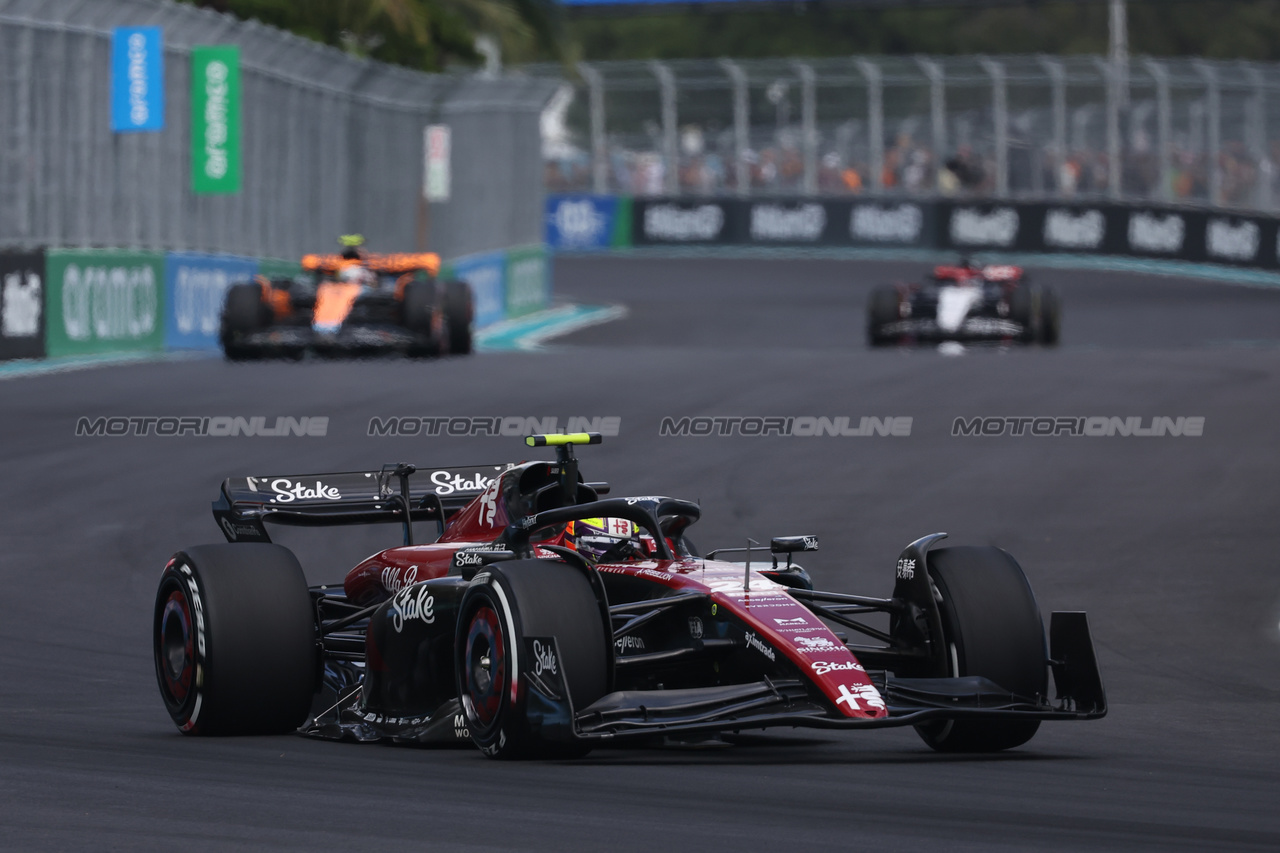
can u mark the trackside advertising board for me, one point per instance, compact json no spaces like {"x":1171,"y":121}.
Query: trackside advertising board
{"x":104,"y":300}
{"x":528,"y":278}
{"x":137,"y":80}
{"x":580,"y":222}
{"x":215,"y":120}
{"x":22,"y":304}
{"x":196,"y":286}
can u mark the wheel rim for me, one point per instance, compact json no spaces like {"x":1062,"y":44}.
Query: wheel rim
{"x":176,"y":650}
{"x":485,"y":665}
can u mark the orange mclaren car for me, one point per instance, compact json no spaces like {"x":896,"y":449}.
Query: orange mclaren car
{"x":350,"y":305}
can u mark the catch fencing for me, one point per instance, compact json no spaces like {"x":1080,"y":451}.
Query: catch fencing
{"x":331,"y":143}
{"x":1185,"y":131}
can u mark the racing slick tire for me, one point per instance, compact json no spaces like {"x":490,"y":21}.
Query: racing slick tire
{"x":992,"y":628}
{"x":234,"y":640}
{"x":882,"y":309}
{"x":1050,"y":317}
{"x":421,"y":316}
{"x":244,"y":312}
{"x":505,"y":604}
{"x":459,"y":311}
{"x":1026,"y":309}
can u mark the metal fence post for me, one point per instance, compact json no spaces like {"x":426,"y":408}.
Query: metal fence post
{"x":741,"y":126}
{"x":670,"y":149}
{"x":1107,"y":72}
{"x":875,"y":119}
{"x":1213,"y":97}
{"x":1058,"y":97}
{"x":1164,"y":127}
{"x":808,"y":125}
{"x":937,"y":112}
{"x":1000,"y":122}
{"x":595,"y":108}
{"x":1257,"y":136}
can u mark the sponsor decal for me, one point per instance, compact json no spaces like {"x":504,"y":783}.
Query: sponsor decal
{"x":235,"y":532}
{"x":972,"y":227}
{"x":413,"y":603}
{"x":447,"y":482}
{"x":288,"y":491}
{"x":1096,"y":426}
{"x":1237,"y":242}
{"x":630,"y":642}
{"x":852,"y":694}
{"x":759,"y":645}
{"x":489,"y":504}
{"x":777,"y":222}
{"x":460,"y":729}
{"x":823,"y":667}
{"x":695,"y":627}
{"x":394,"y":580}
{"x":544,"y":659}
{"x":680,"y":224}
{"x":903,"y":223}
{"x":817,"y":644}
{"x":467,"y":559}
{"x":788,"y":623}
{"x":1068,"y":229}
{"x":1150,"y":232}
{"x":21,"y":305}
{"x":810,"y":543}
{"x":906,"y":569}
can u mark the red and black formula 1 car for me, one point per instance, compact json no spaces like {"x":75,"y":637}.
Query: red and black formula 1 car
{"x":965,"y":303}
{"x":546,"y":620}
{"x":349,"y":304}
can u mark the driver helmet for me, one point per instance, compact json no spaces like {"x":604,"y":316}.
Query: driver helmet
{"x":604,"y":538}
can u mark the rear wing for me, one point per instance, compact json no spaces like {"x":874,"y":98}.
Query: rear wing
{"x":391,"y":264}
{"x":390,"y":495}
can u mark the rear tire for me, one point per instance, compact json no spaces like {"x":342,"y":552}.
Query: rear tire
{"x":243,"y":313}
{"x":421,"y":316}
{"x":234,"y":640}
{"x":459,"y":311}
{"x":504,"y":605}
{"x":1025,"y":308}
{"x":1050,"y":318}
{"x":992,"y":628}
{"x":883,"y":307}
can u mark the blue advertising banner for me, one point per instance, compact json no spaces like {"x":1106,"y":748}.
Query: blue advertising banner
{"x":486,"y":274}
{"x":196,"y":286}
{"x":137,"y":79}
{"x":583,"y":221}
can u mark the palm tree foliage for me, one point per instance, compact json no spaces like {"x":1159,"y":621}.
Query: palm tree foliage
{"x":424,"y":34}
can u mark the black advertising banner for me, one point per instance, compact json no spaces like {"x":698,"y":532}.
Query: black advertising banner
{"x":1092,"y":227}
{"x":22,"y":300}
{"x":687,"y":222}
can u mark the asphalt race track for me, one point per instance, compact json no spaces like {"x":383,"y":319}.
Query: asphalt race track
{"x":1169,"y":542}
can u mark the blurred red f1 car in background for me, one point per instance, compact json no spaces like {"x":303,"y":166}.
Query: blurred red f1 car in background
{"x":965,"y":303}
{"x":350,"y":304}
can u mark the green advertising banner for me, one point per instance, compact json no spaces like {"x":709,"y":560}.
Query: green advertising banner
{"x":528,"y":280}
{"x":103,"y":300}
{"x":215,"y":119}
{"x":276,"y":268}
